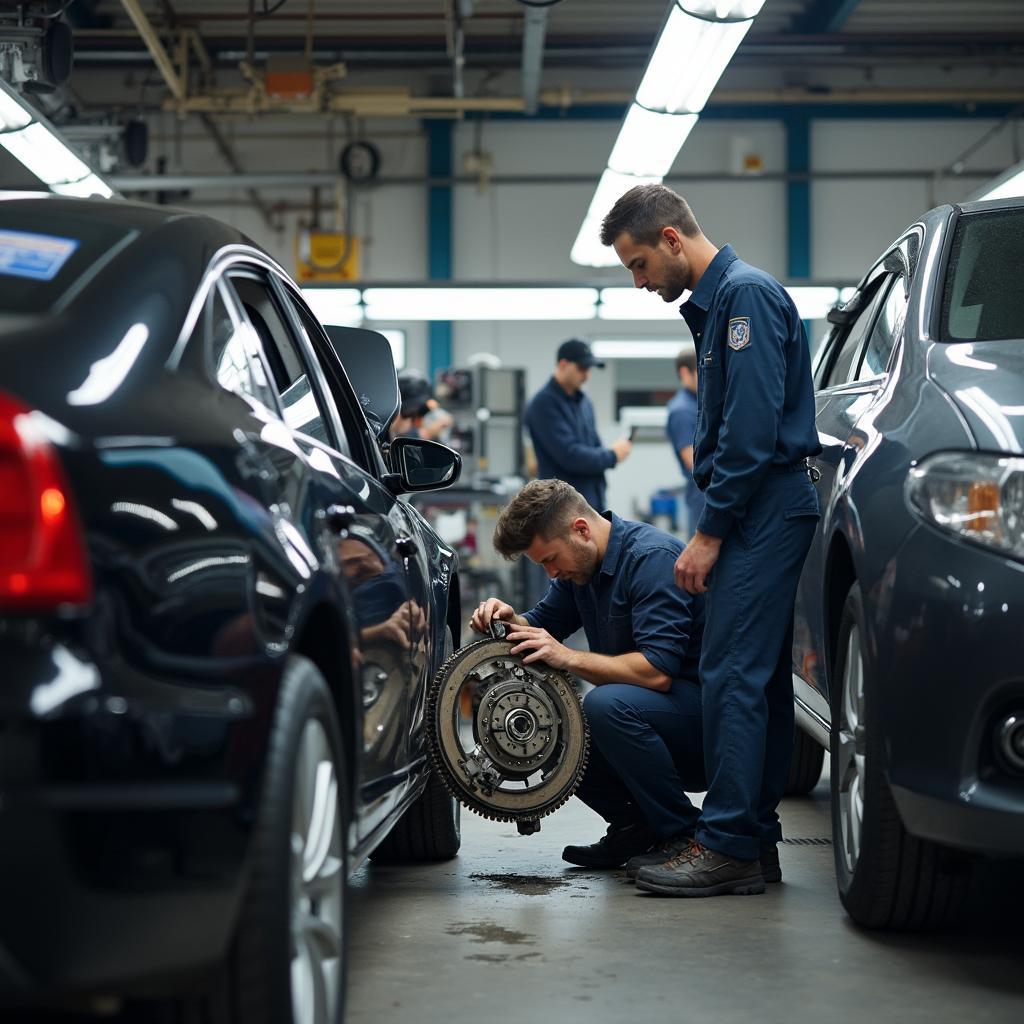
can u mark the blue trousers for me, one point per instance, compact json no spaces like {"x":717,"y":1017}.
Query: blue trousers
{"x":645,"y":753}
{"x":746,"y":665}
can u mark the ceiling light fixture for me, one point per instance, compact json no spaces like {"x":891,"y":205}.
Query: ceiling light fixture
{"x":1007,"y":186}
{"x":696,"y":44}
{"x":480,"y":303}
{"x":36,"y":144}
{"x":630,"y":349}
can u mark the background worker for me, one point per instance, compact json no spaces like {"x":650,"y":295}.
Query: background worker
{"x":560,"y":418}
{"x":681,"y":426}
{"x":419,"y":414}
{"x":608,"y":576}
{"x":754,"y":434}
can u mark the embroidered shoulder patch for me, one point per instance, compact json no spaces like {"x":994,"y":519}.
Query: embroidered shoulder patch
{"x":739,"y":332}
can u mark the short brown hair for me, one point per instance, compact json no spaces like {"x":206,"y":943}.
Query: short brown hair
{"x":644,"y":210}
{"x":543,"y":508}
{"x":688,"y":358}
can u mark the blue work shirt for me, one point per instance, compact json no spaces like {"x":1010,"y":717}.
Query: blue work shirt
{"x":755,"y":395}
{"x":681,"y":426}
{"x":631,"y":604}
{"x":566,"y":441}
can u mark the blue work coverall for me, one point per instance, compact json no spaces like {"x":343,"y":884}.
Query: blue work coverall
{"x":755,"y":430}
{"x":645,"y":751}
{"x":566,"y":441}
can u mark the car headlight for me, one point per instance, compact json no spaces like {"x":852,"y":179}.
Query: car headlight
{"x":976,"y":496}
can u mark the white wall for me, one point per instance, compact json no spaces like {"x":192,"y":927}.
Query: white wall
{"x":510,"y":232}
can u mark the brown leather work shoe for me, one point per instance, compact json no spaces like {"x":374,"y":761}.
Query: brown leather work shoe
{"x":700,"y":871}
{"x":664,"y":851}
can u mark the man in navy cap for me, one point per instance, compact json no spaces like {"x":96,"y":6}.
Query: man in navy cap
{"x":560,"y":418}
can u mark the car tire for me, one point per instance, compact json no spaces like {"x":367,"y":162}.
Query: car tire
{"x":887,"y":879}
{"x":288,"y":960}
{"x":805,"y":766}
{"x":430,"y":830}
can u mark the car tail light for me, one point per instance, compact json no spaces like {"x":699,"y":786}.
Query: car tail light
{"x":42,"y":555}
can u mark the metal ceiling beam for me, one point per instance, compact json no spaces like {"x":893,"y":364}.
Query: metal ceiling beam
{"x":156,"y":49}
{"x":825,"y":16}
{"x":535,"y":26}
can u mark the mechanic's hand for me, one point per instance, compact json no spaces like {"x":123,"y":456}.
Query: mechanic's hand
{"x":622,"y":448}
{"x":539,"y":645}
{"x":393,"y":631}
{"x":492,"y":608}
{"x":696,"y":561}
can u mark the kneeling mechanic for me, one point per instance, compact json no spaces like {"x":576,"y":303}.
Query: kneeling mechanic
{"x":610,"y":576}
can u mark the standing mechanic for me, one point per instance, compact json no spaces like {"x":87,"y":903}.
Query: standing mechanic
{"x":607,"y":575}
{"x":681,"y":426}
{"x":755,"y":431}
{"x":560,"y":418}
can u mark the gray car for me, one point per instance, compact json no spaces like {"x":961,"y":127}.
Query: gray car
{"x":911,"y":603}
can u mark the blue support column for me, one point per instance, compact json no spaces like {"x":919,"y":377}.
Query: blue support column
{"x":798,"y":199}
{"x":439,"y":235}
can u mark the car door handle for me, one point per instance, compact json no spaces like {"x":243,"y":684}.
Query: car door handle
{"x":406,"y":546}
{"x":340,"y":517}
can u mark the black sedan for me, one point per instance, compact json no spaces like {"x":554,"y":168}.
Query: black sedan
{"x":217,"y":620}
{"x":911,"y":602}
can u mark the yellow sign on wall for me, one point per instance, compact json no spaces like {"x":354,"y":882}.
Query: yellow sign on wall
{"x":322,"y":256}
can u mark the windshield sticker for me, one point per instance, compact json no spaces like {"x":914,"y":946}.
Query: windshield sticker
{"x":38,"y":257}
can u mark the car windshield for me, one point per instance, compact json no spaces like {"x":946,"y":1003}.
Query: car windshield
{"x":983,"y":298}
{"x":45,"y":257}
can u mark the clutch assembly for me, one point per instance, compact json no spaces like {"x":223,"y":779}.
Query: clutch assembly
{"x":509,"y":740}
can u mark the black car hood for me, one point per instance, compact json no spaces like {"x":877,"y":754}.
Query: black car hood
{"x":986,"y":381}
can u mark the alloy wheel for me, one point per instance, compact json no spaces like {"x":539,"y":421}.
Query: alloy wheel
{"x":851,"y":752}
{"x":316,"y":882}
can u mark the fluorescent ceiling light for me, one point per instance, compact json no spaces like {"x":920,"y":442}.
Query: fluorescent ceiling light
{"x":649,"y":349}
{"x":633,"y":304}
{"x":649,"y":142}
{"x":31,"y":140}
{"x":695,"y":46}
{"x":1006,"y":186}
{"x":813,"y":303}
{"x":588,"y":250}
{"x":396,"y":339}
{"x":689,"y":59}
{"x":480,"y":303}
{"x":338,"y":306}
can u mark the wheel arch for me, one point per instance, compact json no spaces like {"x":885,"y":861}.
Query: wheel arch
{"x":324,"y":639}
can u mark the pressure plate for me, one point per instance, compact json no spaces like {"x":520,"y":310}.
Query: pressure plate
{"x":509,"y":740}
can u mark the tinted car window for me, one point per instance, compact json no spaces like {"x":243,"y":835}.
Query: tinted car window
{"x":884,"y":334}
{"x":40,"y":268}
{"x":299,"y":402}
{"x":850,"y":346}
{"x":983,"y":299}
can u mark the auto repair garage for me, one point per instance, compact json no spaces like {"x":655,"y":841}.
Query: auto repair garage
{"x":480,"y":477}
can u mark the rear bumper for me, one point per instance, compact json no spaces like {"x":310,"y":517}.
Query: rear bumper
{"x":126,"y":806}
{"x":947,"y":618}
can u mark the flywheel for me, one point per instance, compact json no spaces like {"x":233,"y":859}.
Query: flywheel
{"x":509,"y":740}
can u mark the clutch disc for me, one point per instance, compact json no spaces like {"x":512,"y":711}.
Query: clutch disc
{"x":523,"y":751}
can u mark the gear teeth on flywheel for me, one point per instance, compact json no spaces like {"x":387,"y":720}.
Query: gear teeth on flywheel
{"x":438,"y":762}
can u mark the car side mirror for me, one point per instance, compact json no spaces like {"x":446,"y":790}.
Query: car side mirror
{"x":421,"y":465}
{"x":367,"y":359}
{"x":843,"y":313}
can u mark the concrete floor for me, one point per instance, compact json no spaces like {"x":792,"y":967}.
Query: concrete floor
{"x":510,"y":933}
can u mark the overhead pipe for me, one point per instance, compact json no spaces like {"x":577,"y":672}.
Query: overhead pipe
{"x":535,"y":26}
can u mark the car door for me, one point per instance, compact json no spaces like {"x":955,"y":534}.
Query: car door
{"x":845,"y":388}
{"x":368,"y":551}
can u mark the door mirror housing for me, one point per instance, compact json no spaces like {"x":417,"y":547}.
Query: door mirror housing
{"x":367,"y":359}
{"x":421,"y":465}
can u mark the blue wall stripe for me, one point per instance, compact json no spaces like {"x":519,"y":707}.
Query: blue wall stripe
{"x":439,"y":236}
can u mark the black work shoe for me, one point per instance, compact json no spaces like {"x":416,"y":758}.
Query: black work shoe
{"x":615,"y":847}
{"x":699,"y":871}
{"x":768,"y":855}
{"x":659,"y":854}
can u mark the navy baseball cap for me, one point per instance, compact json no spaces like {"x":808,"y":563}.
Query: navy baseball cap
{"x":578,"y":351}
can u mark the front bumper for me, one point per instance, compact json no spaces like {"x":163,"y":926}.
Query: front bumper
{"x":946,"y":622}
{"x":125,"y":807}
